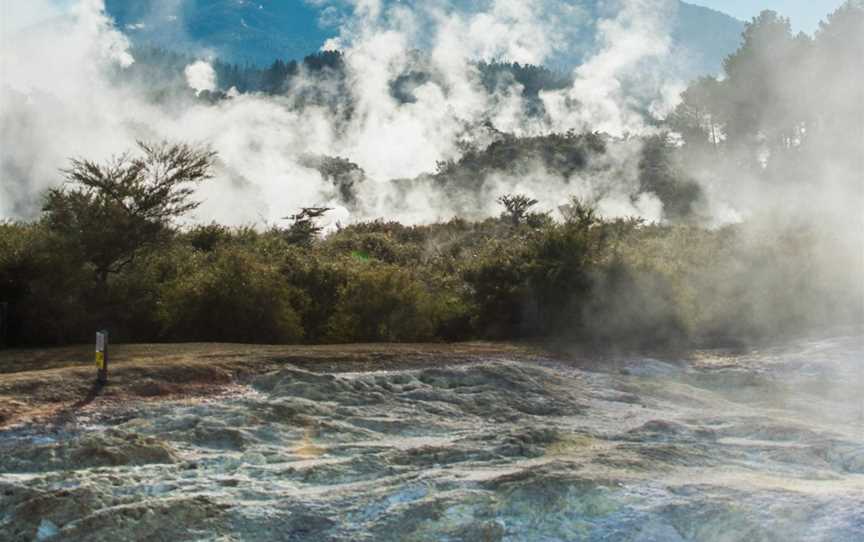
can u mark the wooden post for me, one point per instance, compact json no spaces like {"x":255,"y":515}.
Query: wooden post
{"x":102,"y":357}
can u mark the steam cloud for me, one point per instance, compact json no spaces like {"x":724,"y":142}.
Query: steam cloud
{"x":59,"y":100}
{"x":201,"y":76}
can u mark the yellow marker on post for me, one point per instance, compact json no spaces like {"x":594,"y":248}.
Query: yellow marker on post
{"x":102,"y":357}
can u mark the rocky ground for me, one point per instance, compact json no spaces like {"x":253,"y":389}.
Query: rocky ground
{"x":454,"y":443}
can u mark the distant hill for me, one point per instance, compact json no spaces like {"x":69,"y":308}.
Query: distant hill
{"x":709,"y":35}
{"x":260,"y":31}
{"x":237,"y":31}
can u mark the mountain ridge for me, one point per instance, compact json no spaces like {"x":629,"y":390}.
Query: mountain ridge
{"x":246,"y":32}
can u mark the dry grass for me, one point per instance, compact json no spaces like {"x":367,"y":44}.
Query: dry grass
{"x":50,"y":383}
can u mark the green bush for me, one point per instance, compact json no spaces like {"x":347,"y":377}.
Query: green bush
{"x":208,"y":237}
{"x":498,"y":289}
{"x":318,"y":284}
{"x":384,"y":303}
{"x":229,"y":295}
{"x":52,"y":298}
{"x":562,"y":259}
{"x":380,"y":246}
{"x":620,"y":283}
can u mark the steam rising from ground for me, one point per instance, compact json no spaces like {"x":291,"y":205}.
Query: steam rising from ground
{"x":635,"y":49}
{"x":60,"y":97}
{"x":59,"y":100}
{"x":201,"y":76}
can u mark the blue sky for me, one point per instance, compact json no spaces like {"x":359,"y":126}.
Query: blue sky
{"x":805,"y":14}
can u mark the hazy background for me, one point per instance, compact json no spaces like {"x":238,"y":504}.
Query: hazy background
{"x":805,"y":14}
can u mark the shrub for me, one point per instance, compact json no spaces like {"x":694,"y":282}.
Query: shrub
{"x":377,"y":245}
{"x":229,"y":295}
{"x":318,"y":283}
{"x":207,"y":237}
{"x":562,"y":259}
{"x":384,"y":303}
{"x":499,"y":292}
{"x":52,"y":299}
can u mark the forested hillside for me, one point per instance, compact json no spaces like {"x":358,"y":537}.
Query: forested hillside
{"x":262,"y":31}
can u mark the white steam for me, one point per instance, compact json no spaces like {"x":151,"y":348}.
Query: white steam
{"x":200,"y":76}
{"x":611,"y":87}
{"x":58,"y":100}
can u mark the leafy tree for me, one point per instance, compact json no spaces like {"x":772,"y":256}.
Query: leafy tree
{"x":787,"y":103}
{"x":579,"y":212}
{"x":698,"y":118}
{"x":342,"y":173}
{"x":836,"y":76}
{"x":502,"y":76}
{"x":752,"y":72}
{"x":325,"y":60}
{"x":304,"y":228}
{"x":109,"y":212}
{"x":516,"y":207}
{"x":841,"y":32}
{"x":660,"y":175}
{"x":562,"y":153}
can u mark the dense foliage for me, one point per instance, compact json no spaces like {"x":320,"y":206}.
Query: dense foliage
{"x":786,"y":99}
{"x":603,"y":283}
